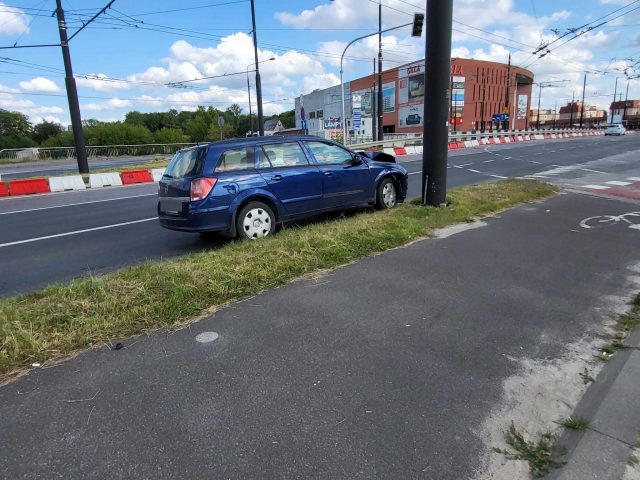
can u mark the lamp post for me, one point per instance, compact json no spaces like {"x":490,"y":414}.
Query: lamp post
{"x":344,"y":121}
{"x":249,"y":91}
{"x":542,"y":85}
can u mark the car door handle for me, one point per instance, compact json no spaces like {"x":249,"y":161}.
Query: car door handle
{"x":231,"y":188}
{"x":328,"y":174}
{"x":276,"y":178}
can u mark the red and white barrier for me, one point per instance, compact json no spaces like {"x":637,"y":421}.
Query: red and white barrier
{"x":63,"y":184}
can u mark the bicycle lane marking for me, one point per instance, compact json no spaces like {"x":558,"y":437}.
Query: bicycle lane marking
{"x":601,"y":221}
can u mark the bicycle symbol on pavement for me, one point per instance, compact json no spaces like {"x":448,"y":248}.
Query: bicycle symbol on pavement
{"x":631,"y":219}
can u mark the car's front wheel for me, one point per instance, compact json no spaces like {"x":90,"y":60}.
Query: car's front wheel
{"x":387,"y":194}
{"x":255,"y":220}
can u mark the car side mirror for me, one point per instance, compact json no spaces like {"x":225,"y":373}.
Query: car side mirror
{"x":357,"y":159}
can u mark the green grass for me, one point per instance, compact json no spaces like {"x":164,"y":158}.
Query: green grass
{"x":541,"y":456}
{"x":576,"y":423}
{"x":52,"y":323}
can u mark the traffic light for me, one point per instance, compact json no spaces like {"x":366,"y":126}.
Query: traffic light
{"x":418,"y":21}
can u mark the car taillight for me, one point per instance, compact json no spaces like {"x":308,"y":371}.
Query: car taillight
{"x":201,"y":187}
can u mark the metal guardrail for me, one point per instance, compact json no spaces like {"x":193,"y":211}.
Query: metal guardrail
{"x":461,"y":137}
{"x":106,"y":151}
{"x":97,"y":151}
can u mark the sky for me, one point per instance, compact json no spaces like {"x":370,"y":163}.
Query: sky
{"x":152,"y":55}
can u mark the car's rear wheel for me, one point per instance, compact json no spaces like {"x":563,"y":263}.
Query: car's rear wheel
{"x":255,"y":220}
{"x":387,"y":194}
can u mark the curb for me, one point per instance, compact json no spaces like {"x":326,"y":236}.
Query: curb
{"x":612,"y":405}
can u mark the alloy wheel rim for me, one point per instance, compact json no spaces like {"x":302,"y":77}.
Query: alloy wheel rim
{"x":256,"y":223}
{"x":389,"y":195}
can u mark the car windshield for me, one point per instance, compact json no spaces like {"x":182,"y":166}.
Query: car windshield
{"x":183,"y":163}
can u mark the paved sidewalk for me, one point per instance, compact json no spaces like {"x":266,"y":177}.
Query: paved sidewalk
{"x":386,"y":368}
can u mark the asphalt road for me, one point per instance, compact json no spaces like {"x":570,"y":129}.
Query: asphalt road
{"x":51,"y":238}
{"x":383,"y":369}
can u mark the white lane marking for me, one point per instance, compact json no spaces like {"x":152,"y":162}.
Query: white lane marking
{"x":616,"y":182}
{"x":507,"y":158}
{"x":634,"y":179}
{"x":533,"y":161}
{"x":77,"y":232}
{"x":463,"y":165}
{"x":489,"y":161}
{"x":589,"y":170}
{"x":497,"y":176}
{"x":472,"y":170}
{"x":416,"y":173}
{"x":596,"y":187}
{"x":72,"y":204}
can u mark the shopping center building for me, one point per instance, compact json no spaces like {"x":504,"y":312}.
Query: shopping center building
{"x":480,"y":92}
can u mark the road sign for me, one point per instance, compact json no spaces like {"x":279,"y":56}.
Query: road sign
{"x":500,"y":117}
{"x":220,"y":121}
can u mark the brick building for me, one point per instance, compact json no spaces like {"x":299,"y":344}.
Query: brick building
{"x":479,"y":89}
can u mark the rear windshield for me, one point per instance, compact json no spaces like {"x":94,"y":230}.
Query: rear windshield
{"x":184,"y":163}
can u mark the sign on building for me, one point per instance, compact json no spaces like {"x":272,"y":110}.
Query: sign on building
{"x":522,"y":107}
{"x":356,"y":103}
{"x":332,"y":123}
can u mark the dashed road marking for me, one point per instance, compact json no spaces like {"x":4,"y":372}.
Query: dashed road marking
{"x":497,"y":176}
{"x":618,"y":183}
{"x":596,"y":187}
{"x":474,"y":171}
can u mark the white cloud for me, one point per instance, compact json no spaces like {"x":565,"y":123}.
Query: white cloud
{"x":320,"y":81}
{"x":39,"y":84}
{"x":48,"y":118}
{"x":100,"y":82}
{"x":111,"y":104}
{"x":13,"y":20}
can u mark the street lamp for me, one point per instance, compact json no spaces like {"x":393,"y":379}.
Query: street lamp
{"x":542,"y":85}
{"x":249,"y":90}
{"x":344,"y":120}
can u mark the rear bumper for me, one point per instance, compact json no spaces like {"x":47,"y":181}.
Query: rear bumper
{"x":198,"y":221}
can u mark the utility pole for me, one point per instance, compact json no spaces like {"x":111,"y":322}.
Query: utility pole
{"x":506,"y":97}
{"x":484,"y":95}
{"x":72,"y":93}
{"x":436,"y":102}
{"x":538,"y":115}
{"x":584,"y":87}
{"x":626,"y":99}
{"x":258,"y":82}
{"x":573,"y":97}
{"x":380,"y":106}
{"x":615,"y":92}
{"x":555,"y":114}
{"x":374,"y":119}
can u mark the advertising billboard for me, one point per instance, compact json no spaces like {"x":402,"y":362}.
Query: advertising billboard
{"x":332,"y":123}
{"x":389,"y":97}
{"x":522,"y":106}
{"x":411,"y":83}
{"x":411,"y":115}
{"x":356,"y":103}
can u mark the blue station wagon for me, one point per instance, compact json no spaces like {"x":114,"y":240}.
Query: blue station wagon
{"x":244,"y":187}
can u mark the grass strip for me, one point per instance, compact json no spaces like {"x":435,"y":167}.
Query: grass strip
{"x":52,"y":323}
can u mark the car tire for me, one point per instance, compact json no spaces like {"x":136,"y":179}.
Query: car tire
{"x":255,"y":220}
{"x":387,"y":194}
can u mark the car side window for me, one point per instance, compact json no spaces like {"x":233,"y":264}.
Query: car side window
{"x":236,"y":159}
{"x":328,"y":154}
{"x":278,"y":155}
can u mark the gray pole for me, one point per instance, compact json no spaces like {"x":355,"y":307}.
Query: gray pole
{"x":626,"y":99}
{"x":615,"y":92}
{"x":380,"y":110}
{"x":250,"y":117}
{"x":538,"y":115}
{"x":374,"y":119}
{"x":573,"y":99}
{"x":436,"y":102}
{"x":72,"y":93}
{"x":258,"y":83}
{"x":584,"y":87}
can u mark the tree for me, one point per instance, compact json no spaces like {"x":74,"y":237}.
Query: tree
{"x":214,"y":132}
{"x":169,"y":135}
{"x":288,"y":118}
{"x":45,"y":130}
{"x":62,"y":139}
{"x":15,"y":130}
{"x":134,"y":118}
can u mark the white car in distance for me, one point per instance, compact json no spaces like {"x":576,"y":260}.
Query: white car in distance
{"x":615,"y":129}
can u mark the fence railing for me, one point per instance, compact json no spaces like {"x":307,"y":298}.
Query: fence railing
{"x":359,"y":141}
{"x":462,"y":136}
{"x":98,"y":151}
